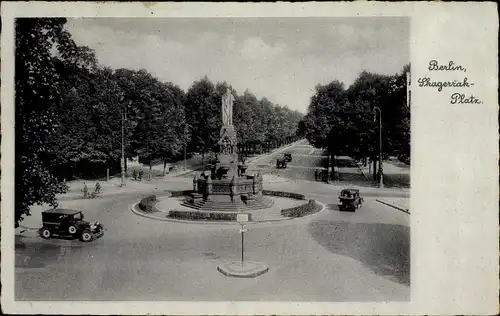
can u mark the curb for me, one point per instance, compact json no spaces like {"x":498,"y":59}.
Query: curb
{"x":184,"y":172}
{"x":28,"y":228}
{"x":400,"y":208}
{"x":228,"y":270}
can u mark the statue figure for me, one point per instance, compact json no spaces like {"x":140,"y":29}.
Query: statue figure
{"x":227,"y":108}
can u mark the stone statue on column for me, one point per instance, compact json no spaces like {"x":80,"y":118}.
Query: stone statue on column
{"x":227,"y":108}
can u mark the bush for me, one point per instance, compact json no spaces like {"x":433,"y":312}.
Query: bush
{"x":147,"y":204}
{"x":181,"y":193}
{"x":204,"y":216}
{"x":290,"y":195}
{"x":302,"y":210}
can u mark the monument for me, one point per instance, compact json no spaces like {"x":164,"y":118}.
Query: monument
{"x":227,"y":187}
{"x":228,"y":156}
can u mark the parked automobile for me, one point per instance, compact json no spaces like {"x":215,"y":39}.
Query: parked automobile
{"x":350,"y":200}
{"x":288,"y":157}
{"x":69,"y":223}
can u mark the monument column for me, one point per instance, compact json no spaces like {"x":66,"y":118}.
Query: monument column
{"x":228,"y":156}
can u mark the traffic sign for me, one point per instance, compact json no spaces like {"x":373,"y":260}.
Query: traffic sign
{"x":242,"y":218}
{"x":243,"y":230}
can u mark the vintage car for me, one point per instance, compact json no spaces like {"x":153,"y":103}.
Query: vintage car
{"x":69,"y":223}
{"x":350,"y":200}
{"x":281,"y":163}
{"x":288,"y":157}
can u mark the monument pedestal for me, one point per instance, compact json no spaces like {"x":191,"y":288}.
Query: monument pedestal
{"x":228,"y":154}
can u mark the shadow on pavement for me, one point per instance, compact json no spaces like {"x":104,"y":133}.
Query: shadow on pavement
{"x":336,"y":208}
{"x":384,"y":248}
{"x":346,"y":163}
{"x":397,"y":180}
{"x":34,"y":252}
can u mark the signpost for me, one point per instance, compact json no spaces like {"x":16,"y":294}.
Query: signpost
{"x":242,"y":219}
{"x":242,"y":269}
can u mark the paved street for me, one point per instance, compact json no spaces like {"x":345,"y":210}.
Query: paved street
{"x":330,"y":256}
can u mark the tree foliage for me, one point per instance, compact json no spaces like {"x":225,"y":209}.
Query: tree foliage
{"x":37,"y":85}
{"x":343,"y":120}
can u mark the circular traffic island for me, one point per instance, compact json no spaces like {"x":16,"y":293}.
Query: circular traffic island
{"x":283,"y":206}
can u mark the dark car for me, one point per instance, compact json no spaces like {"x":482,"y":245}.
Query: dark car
{"x":350,"y":200}
{"x":281,"y":163}
{"x":288,"y":157}
{"x":69,"y":223}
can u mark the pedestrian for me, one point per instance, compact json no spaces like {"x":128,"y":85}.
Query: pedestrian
{"x":97,"y":188}
{"x":85,"y":190}
{"x":140,"y":175}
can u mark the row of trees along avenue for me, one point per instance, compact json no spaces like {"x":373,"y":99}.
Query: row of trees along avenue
{"x":70,"y":111}
{"x":342,"y":120}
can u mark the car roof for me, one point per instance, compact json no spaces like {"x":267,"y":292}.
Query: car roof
{"x":61,"y":211}
{"x":351,"y":190}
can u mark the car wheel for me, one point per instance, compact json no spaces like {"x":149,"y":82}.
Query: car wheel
{"x":72,"y":230}
{"x":87,"y":236}
{"x":45,"y":233}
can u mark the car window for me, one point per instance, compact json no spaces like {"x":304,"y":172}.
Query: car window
{"x":77,"y":216}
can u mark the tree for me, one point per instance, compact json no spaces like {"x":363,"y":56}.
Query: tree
{"x":172,"y":123}
{"x":323,"y":115}
{"x":388,"y":93}
{"x":245,"y":119}
{"x":159,"y":133}
{"x":203,"y":115}
{"x":37,"y":85}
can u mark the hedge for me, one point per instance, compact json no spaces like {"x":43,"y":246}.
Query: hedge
{"x":181,"y":193}
{"x":302,"y":210}
{"x":291,"y":195}
{"x":147,"y":204}
{"x":204,"y":216}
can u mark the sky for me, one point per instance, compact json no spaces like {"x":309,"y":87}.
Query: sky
{"x":282,"y":59}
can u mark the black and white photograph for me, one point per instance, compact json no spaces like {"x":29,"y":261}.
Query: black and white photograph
{"x":164,"y":158}
{"x":222,"y":158}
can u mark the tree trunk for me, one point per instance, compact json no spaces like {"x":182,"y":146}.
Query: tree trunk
{"x":374,"y":159}
{"x":150,"y":169}
{"x":164,"y":167}
{"x":334,"y":162}
{"x":107,"y":170}
{"x":125,"y":162}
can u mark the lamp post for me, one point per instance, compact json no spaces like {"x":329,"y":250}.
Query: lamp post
{"x":380,"y":171}
{"x":185,"y":164}
{"x":123,"y":147}
{"x":408,"y":82}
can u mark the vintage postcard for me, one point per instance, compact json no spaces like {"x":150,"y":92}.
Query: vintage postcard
{"x":249,"y":158}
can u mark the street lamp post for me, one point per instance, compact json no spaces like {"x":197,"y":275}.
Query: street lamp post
{"x":185,"y":164}
{"x":408,"y":82}
{"x":123,"y":149}
{"x":380,"y":170}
